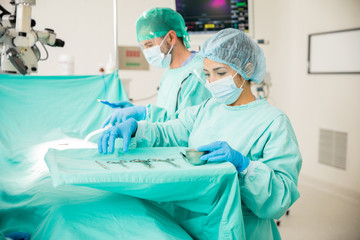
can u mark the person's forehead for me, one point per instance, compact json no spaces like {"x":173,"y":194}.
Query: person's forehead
{"x":213,"y":64}
{"x":150,"y":41}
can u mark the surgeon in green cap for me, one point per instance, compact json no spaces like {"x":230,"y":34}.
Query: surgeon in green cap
{"x":162,"y":35}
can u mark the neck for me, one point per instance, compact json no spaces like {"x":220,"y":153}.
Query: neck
{"x":179,"y":56}
{"x":245,"y":97}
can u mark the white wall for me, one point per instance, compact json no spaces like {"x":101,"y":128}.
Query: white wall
{"x":311,"y":101}
{"x":84,"y":25}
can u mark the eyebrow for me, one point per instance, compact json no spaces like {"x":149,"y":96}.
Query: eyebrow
{"x":218,"y":68}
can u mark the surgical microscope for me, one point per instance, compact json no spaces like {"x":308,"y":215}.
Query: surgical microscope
{"x":18,"y":50}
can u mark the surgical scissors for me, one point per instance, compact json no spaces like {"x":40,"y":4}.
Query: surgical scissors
{"x":145,"y":162}
{"x":120,"y":162}
{"x":168,"y":160}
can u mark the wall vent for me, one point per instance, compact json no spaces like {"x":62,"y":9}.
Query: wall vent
{"x":332,"y":148}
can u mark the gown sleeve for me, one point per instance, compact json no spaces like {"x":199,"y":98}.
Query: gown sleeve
{"x":173,"y":133}
{"x":269,"y":187}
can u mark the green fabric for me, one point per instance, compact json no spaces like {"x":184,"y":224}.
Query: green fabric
{"x":37,"y":109}
{"x":179,"y":88}
{"x":157,"y":22}
{"x":108,"y":216}
{"x":204,"y":199}
{"x":260,"y":132}
{"x":38,"y":112}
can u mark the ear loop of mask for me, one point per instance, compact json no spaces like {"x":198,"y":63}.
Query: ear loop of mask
{"x":163,"y":42}
{"x":240,"y":79}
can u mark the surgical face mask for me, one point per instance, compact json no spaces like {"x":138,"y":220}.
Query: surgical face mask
{"x":224,"y":90}
{"x":156,"y":58}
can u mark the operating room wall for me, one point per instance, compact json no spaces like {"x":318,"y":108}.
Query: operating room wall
{"x":84,"y":25}
{"x":329,"y":101}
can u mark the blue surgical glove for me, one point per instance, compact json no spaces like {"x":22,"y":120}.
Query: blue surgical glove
{"x":122,"y":114}
{"x":123,"y":130}
{"x":121,"y":104}
{"x":221,"y":151}
{"x":18,"y":236}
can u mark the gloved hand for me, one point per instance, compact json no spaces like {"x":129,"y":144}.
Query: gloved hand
{"x":221,"y":151}
{"x":121,"y":104}
{"x":123,"y":130}
{"x":122,"y":114}
{"x":18,"y":236}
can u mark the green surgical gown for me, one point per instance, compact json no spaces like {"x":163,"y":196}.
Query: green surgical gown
{"x":260,"y":132}
{"x":2,"y":237}
{"x":179,"y":88}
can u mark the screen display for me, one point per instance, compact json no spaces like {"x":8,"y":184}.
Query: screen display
{"x":203,"y":16}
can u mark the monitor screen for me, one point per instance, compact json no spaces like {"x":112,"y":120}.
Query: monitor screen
{"x":208,"y":16}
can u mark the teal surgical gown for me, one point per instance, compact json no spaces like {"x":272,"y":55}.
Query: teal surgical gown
{"x":2,"y":237}
{"x":260,"y":132}
{"x":179,"y":88}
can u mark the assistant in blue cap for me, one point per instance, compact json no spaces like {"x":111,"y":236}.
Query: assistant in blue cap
{"x":235,"y":127}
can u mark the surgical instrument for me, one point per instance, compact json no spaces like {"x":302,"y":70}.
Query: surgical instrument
{"x":168,"y":160}
{"x":102,"y":165}
{"x":120,"y":162}
{"x":145,"y":162}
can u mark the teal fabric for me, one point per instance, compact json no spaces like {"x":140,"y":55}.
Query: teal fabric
{"x":106,"y":215}
{"x":37,"y":109}
{"x":205,"y":200}
{"x":260,"y":132}
{"x":179,"y":88}
{"x":38,"y":112}
{"x":157,"y":22}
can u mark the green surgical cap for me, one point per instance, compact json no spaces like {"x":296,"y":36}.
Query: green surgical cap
{"x":235,"y":49}
{"x":157,"y":22}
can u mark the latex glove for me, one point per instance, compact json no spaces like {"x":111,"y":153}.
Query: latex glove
{"x":122,"y":114}
{"x":121,"y":104}
{"x":123,"y":130}
{"x":221,"y":151}
{"x":18,"y":236}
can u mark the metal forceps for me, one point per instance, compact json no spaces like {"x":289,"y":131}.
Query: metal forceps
{"x":120,"y":162}
{"x":145,"y":162}
{"x":102,"y":165}
{"x":168,"y":160}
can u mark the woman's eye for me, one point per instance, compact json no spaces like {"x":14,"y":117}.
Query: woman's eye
{"x":222,"y":73}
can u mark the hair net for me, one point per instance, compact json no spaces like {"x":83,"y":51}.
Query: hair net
{"x":157,"y":22}
{"x":235,"y":49}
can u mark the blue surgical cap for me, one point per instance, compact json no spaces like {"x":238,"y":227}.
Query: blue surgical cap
{"x":235,"y":49}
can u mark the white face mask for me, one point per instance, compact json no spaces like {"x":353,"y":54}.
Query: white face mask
{"x":225,"y":90}
{"x":156,"y":58}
